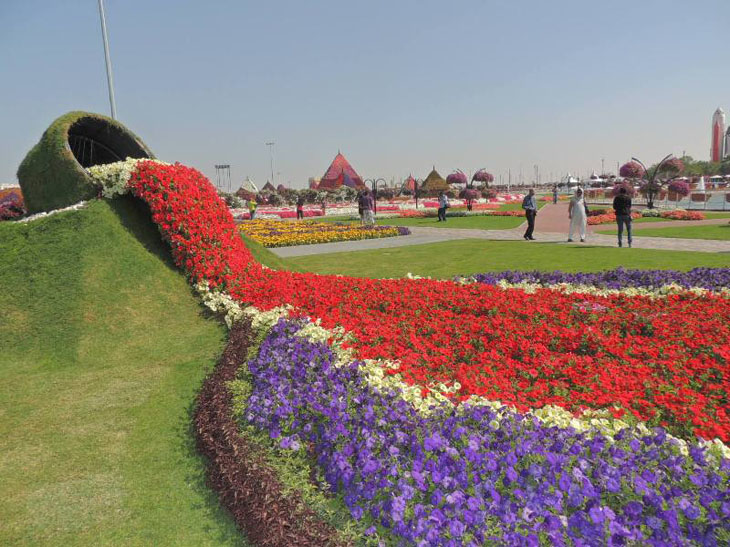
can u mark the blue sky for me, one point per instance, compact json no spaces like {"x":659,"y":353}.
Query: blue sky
{"x":397,"y":86}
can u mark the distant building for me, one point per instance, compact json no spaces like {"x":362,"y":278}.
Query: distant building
{"x":727,"y":143}
{"x":717,"y":149}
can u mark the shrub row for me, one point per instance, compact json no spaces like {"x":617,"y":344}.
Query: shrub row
{"x":238,"y":472}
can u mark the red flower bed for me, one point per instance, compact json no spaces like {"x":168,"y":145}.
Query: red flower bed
{"x":607,"y":218}
{"x":683,"y":215}
{"x":664,"y":360}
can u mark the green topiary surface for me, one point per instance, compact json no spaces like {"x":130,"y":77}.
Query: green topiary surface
{"x":52,"y":177}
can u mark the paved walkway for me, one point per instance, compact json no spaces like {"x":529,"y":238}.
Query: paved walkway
{"x":551,"y":227}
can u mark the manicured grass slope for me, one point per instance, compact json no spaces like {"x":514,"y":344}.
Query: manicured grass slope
{"x":103,"y":349}
{"x":468,"y":256}
{"x":266,"y":257}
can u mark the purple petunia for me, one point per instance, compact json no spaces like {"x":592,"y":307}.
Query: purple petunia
{"x":448,"y":478}
{"x":619,"y":278}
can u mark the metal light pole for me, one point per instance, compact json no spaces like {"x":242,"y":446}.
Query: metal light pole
{"x":271,"y":157}
{"x":374,"y":184}
{"x":650,"y":180}
{"x":109,"y":78}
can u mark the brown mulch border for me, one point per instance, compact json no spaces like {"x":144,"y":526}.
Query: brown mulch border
{"x":246,"y":485}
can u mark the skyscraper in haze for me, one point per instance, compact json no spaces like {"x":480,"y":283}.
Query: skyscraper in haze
{"x":717,"y":150}
{"x":727,"y":142}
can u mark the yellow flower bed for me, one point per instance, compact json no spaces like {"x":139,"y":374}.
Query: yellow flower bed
{"x":279,"y":233}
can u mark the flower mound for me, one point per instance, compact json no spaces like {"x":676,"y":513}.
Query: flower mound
{"x":526,"y":350}
{"x":476,"y":472}
{"x":473,"y":475}
{"x":274,"y":233}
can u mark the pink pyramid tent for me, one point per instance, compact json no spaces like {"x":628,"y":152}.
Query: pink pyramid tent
{"x":340,"y":172}
{"x":410,"y":184}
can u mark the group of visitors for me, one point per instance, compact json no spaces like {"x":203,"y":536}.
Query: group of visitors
{"x":578,"y":214}
{"x":365,"y":207}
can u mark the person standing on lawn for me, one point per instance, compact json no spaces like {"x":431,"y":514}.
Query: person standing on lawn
{"x":622,"y":207}
{"x":300,"y":208}
{"x":367,"y":209}
{"x":443,"y":205}
{"x":529,"y":204}
{"x":578,"y":215}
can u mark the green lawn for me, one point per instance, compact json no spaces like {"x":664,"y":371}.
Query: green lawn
{"x":450,"y":258}
{"x":473,"y":222}
{"x":103,"y":350}
{"x":712,"y":231}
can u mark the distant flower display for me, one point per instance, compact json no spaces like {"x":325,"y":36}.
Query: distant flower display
{"x":277,"y":233}
{"x":457,"y":177}
{"x":12,"y":204}
{"x":681,"y":214}
{"x":483,"y":176}
{"x":630,"y":191}
{"x":632,"y":170}
{"x":619,"y":278}
{"x":679,"y":187}
{"x":672,"y":167}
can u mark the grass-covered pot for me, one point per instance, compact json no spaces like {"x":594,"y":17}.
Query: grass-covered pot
{"x":53,"y":175}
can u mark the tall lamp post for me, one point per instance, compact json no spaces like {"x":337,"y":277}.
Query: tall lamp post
{"x":650,"y":186}
{"x":271,"y":159}
{"x":374,"y":184}
{"x":107,"y":58}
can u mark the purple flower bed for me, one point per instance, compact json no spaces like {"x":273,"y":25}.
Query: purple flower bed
{"x":707,"y":278}
{"x":469,"y":477}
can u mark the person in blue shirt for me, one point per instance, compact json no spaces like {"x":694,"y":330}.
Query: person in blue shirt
{"x":529,"y":204}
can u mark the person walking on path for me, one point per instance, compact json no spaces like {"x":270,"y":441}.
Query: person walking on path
{"x":555,"y":195}
{"x":443,"y":205}
{"x":622,"y":207}
{"x":300,"y":208}
{"x":367,"y":209}
{"x":578,"y":215}
{"x":252,"y":207}
{"x":529,"y":204}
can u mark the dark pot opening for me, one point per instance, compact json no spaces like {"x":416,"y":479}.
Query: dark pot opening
{"x":94,"y":141}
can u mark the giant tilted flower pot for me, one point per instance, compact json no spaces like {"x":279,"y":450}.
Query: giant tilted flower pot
{"x":52,"y":175}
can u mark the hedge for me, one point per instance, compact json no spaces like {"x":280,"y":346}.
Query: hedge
{"x":52,"y":174}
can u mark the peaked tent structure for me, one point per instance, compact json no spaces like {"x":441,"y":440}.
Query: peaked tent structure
{"x":409,"y":184}
{"x":281,"y":188}
{"x":340,"y":173}
{"x":434,"y":183}
{"x":248,"y":189}
{"x":249,"y":186}
{"x":268,"y":187}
